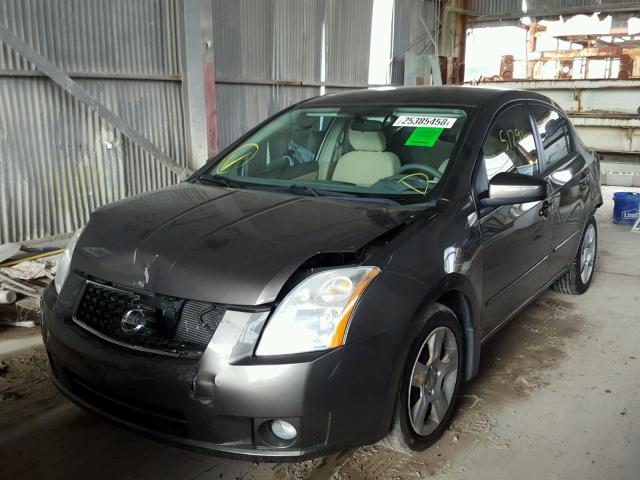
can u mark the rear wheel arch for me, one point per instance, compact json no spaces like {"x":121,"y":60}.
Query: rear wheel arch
{"x":571,"y":281}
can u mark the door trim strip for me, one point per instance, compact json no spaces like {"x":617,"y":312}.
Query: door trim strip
{"x":522,"y":307}
{"x":501,"y":292}
{"x":565,"y":241}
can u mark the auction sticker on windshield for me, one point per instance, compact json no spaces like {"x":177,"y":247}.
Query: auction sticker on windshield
{"x":424,"y":137}
{"x":424,"y":121}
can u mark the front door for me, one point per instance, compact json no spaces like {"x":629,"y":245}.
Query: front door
{"x":516,"y":238}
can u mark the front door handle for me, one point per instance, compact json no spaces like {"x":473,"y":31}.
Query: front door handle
{"x":545,"y":211}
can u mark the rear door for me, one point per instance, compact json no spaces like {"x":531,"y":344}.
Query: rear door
{"x":516,"y":238}
{"x":569,"y":177}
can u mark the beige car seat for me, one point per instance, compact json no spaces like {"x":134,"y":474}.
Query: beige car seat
{"x":368,"y":162}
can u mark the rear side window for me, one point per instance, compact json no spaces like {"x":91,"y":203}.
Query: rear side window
{"x":555,"y":134}
{"x":510,"y":145}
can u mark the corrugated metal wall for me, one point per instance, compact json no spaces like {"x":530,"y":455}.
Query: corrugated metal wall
{"x":270,"y":55}
{"x":348,"y":35}
{"x":409,"y":34}
{"x":513,"y":8}
{"x":95,"y":36}
{"x":491,"y":7}
{"x":58,"y":160}
{"x":257,"y":41}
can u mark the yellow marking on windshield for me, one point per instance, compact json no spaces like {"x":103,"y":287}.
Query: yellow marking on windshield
{"x":231,"y":160}
{"x":417,"y":190}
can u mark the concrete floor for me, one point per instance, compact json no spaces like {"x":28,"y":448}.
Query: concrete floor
{"x":556,"y":398}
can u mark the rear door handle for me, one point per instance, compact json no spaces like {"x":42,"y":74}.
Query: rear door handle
{"x":584,"y":179}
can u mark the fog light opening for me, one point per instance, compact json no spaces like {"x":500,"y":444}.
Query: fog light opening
{"x":277,"y":432}
{"x":283,"y":430}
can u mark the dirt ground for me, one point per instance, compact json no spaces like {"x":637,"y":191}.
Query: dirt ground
{"x":25,"y":389}
{"x":556,"y":398}
{"x":8,"y":332}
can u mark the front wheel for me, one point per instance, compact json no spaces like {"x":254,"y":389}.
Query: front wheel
{"x":577,"y":279}
{"x":430,"y":383}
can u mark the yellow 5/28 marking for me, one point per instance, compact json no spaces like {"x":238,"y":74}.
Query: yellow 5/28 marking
{"x":403,"y":181}
{"x":237,"y":156}
{"x":511,"y":137}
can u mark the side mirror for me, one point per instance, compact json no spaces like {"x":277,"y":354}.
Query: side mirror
{"x":509,"y":188}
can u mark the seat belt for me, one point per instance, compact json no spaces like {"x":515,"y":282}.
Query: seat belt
{"x":336,"y":155}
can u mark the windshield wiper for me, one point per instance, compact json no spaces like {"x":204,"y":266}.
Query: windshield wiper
{"x":219,"y":180}
{"x":296,"y":189}
{"x":304,"y":190}
{"x":337,"y":195}
{"x":358,"y":198}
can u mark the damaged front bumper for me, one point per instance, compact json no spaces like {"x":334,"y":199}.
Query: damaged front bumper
{"x":224,"y":401}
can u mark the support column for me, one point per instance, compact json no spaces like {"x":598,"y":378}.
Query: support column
{"x":210,"y":101}
{"x":453,"y":40}
{"x":197,"y":65}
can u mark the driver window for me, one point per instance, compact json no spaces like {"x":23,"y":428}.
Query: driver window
{"x":510,"y":145}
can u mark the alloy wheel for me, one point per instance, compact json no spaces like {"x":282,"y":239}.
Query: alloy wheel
{"x":433,"y":381}
{"x":588,"y":254}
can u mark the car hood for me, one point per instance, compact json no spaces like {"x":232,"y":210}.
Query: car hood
{"x":221,"y":245}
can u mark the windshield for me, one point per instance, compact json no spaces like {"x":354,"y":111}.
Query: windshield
{"x":395,"y":153}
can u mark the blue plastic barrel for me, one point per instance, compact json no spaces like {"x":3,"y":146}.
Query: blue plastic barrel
{"x":626,"y":207}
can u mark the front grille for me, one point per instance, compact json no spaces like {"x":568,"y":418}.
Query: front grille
{"x":156,"y":322}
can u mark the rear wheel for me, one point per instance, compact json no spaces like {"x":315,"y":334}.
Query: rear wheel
{"x":430,"y":383}
{"x":577,"y":279}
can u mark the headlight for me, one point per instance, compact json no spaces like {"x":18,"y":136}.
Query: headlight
{"x":315,"y":314}
{"x":65,"y":262}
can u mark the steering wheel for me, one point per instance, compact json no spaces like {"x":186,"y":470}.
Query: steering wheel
{"x":434,"y":172}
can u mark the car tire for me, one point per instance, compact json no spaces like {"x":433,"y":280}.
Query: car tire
{"x":577,"y":279}
{"x":422,"y":384}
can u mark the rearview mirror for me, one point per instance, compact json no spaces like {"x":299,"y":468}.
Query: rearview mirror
{"x":509,"y":188}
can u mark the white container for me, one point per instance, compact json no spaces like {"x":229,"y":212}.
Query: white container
{"x":8,"y":297}
{"x":620,"y":179}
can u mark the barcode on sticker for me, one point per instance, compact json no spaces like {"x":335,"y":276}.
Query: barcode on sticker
{"x":424,"y":121}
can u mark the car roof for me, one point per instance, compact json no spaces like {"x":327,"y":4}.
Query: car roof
{"x":463,"y":96}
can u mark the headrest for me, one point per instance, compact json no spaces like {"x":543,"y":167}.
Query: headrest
{"x":364,"y":125}
{"x":367,"y":141}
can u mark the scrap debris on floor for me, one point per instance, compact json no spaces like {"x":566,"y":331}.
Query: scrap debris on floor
{"x":25,"y":388}
{"x":25,"y":272}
